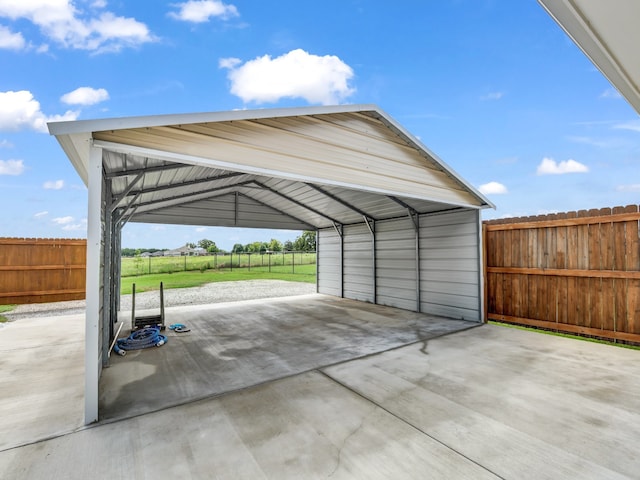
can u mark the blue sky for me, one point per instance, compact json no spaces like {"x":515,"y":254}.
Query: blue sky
{"x":494,"y":87}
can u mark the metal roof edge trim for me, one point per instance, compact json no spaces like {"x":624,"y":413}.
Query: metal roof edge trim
{"x":413,"y":139}
{"x":119,"y":123}
{"x":568,"y":17}
{"x":193,"y":160}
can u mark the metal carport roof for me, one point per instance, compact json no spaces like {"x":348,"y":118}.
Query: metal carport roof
{"x":294,"y":168}
{"x":608,"y":33}
{"x":298,"y":168}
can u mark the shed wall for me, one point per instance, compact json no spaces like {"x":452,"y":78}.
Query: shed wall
{"x":396,"y":263}
{"x":329,"y":272}
{"x":449,"y":259}
{"x":358,"y":263}
{"x":450,"y":265}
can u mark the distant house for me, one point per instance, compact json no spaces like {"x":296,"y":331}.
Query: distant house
{"x":185,"y":251}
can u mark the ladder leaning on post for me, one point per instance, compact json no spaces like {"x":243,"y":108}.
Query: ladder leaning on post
{"x":147,"y":320}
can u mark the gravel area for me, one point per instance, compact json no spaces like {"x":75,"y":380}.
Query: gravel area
{"x":210,"y":293}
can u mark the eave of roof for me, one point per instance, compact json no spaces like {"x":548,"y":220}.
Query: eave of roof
{"x":608,"y":33}
{"x":137,"y":136}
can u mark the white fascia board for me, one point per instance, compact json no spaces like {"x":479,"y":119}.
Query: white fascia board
{"x":81,"y":126}
{"x":568,"y":15}
{"x":445,"y":167}
{"x":206,"y":162}
{"x":77,"y":147}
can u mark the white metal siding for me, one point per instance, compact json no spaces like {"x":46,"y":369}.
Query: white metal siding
{"x":449,"y":263}
{"x":358,"y":263}
{"x":342,"y":149}
{"x":228,"y":210}
{"x":396,"y":263}
{"x":329,"y":273}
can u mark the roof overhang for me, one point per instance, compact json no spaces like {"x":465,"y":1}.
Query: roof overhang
{"x":609,"y":34}
{"x":294,"y":168}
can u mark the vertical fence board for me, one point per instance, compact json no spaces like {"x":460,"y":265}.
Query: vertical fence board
{"x":600,"y":251}
{"x":36,"y":270}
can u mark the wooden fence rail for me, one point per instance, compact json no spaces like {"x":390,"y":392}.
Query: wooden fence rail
{"x":36,"y":270}
{"x":575,"y":272}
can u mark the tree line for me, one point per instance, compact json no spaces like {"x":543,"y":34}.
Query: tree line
{"x":306,"y":242}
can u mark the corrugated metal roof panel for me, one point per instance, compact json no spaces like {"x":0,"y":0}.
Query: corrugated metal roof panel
{"x":313,"y":167}
{"x":607,"y":32}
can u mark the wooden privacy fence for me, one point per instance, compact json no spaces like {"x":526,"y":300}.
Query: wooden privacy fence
{"x":575,"y":272}
{"x":36,"y":270}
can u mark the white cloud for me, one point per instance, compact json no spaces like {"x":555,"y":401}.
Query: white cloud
{"x":594,"y":142}
{"x":201,"y":229}
{"x":493,"y":188}
{"x":610,"y":93}
{"x":53,"y":185}
{"x":82,"y":226}
{"x":633,"y":125}
{"x":41,"y":214}
{"x":296,"y":74}
{"x":62,"y":220}
{"x":628,"y":188}
{"x":10,"y":40}
{"x":69,"y":223}
{"x":229,"y":63}
{"x":19,"y":110}
{"x":549,"y":166}
{"x":4,"y":143}
{"x":199,"y":11}
{"x":492,"y":96}
{"x":11,"y":167}
{"x":85,"y":96}
{"x":62,"y":22}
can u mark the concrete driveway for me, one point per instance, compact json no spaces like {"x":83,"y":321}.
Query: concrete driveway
{"x":489,"y":402}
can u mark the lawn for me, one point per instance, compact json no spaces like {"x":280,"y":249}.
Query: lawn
{"x":285,"y":261}
{"x":4,"y":309}
{"x":303,"y":273}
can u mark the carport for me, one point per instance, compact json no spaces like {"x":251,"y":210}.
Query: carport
{"x":395,"y":225}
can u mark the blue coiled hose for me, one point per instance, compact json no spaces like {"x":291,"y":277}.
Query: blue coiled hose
{"x":144,"y":338}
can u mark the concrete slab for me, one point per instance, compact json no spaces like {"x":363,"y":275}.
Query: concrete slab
{"x":305,"y":426}
{"x":232,"y":346}
{"x":490,"y":402}
{"x":41,"y":378}
{"x":522,"y":404}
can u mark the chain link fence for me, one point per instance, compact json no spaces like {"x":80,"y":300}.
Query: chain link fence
{"x":280,"y":262}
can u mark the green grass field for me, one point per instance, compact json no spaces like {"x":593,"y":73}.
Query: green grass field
{"x":304,"y":273}
{"x":278,"y":262}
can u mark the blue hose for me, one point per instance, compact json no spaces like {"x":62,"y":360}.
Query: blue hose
{"x":143,"y":338}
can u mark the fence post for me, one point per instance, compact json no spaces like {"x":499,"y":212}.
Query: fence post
{"x":293,"y":262}
{"x":185,"y":263}
{"x":149,"y":264}
{"x":249,"y":261}
{"x":231,"y":261}
{"x":269,"y":255}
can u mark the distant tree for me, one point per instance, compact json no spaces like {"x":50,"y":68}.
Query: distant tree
{"x":275,"y":245}
{"x":128,"y":252}
{"x":288,"y":245}
{"x":206,"y":243}
{"x":238,"y":248}
{"x":213,"y":248}
{"x":190,"y":245}
{"x":305,"y":242}
{"x":256,"y":247}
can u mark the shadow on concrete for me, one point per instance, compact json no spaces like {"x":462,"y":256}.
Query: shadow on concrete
{"x":237,"y":345}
